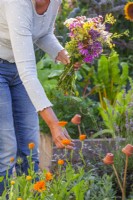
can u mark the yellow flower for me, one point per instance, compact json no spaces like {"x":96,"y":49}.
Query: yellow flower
{"x":28,"y":178}
{"x":60,"y":162}
{"x":12,"y":182}
{"x":31,"y":145}
{"x":49,"y":176}
{"x":87,"y":25}
{"x":128,"y":9}
{"x":19,"y":198}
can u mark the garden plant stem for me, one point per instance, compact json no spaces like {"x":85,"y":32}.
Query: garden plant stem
{"x":79,"y":129}
{"x":124,"y":180}
{"x":118,"y":179}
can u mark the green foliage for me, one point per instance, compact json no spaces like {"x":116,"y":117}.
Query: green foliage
{"x":101,"y":189}
{"x":107,"y":79}
{"x":66,"y":107}
{"x":117,"y":116}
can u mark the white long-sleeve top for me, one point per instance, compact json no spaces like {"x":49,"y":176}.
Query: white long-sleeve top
{"x":20,"y":28}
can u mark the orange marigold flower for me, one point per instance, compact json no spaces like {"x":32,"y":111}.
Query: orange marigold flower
{"x":62,"y":123}
{"x":109,"y":159}
{"x":76,"y":119}
{"x":28,"y":178}
{"x":128,"y":9}
{"x":49,"y":176}
{"x":82,"y":137}
{"x":61,"y":162}
{"x":66,"y":142}
{"x":19,"y":198}
{"x":12,"y":182}
{"x":31,"y":145}
{"x":40,"y":186}
{"x":128,"y":150}
{"x":12,"y":159}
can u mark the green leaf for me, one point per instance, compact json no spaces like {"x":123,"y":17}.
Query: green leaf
{"x":55,"y":73}
{"x":1,"y":178}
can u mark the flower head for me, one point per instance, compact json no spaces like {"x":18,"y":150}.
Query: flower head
{"x":28,"y":178}
{"x":62,"y":123}
{"x":76,"y":119}
{"x":82,"y":137}
{"x":128,"y":150}
{"x":31,"y":145}
{"x":40,"y":186}
{"x":66,"y":142}
{"x":12,"y":182}
{"x":109,"y":159}
{"x":19,"y":198}
{"x":49,"y":176}
{"x":128,"y":9}
{"x":61,"y":162}
{"x":12,"y":159}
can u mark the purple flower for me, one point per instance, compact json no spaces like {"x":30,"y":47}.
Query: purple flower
{"x":94,"y":34}
{"x":88,"y":59}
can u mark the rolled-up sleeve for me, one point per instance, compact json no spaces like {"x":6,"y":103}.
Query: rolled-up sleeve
{"x":19,"y":20}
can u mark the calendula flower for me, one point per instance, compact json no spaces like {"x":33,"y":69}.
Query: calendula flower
{"x":66,"y":142}
{"x":128,"y":150}
{"x":19,"y":198}
{"x":49,"y":176}
{"x":31,"y":145}
{"x":128,"y":9}
{"x":40,"y":186}
{"x":12,"y":160}
{"x":82,"y":137}
{"x":61,"y":162}
{"x":12,"y":182}
{"x":62,"y":123}
{"x":76,"y":119}
{"x":28,"y":178}
{"x":109,"y":159}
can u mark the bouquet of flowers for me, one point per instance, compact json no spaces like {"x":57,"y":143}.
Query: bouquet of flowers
{"x":88,"y":36}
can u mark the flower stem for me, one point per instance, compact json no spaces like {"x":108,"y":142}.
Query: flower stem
{"x":79,"y":129}
{"x":124,"y":179}
{"x":119,"y":182}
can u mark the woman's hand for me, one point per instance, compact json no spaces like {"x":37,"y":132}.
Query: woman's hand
{"x":63,"y":57}
{"x":59,"y":134}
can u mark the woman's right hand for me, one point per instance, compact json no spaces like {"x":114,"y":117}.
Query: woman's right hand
{"x":59,"y":134}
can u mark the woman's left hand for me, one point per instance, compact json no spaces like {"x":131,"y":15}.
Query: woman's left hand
{"x":63,"y":57}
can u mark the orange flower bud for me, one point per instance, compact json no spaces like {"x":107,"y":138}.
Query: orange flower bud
{"x":82,"y":137}
{"x":12,"y":160}
{"x":109,"y":159}
{"x":49,"y":176}
{"x":61,"y":162}
{"x":66,"y":142}
{"x":31,"y":145}
{"x":76,"y":119}
{"x":62,"y":123}
{"x":128,"y":150}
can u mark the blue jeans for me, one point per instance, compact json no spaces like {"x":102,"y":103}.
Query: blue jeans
{"x":18,"y":123}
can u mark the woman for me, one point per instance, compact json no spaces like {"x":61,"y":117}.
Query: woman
{"x":23,"y":23}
